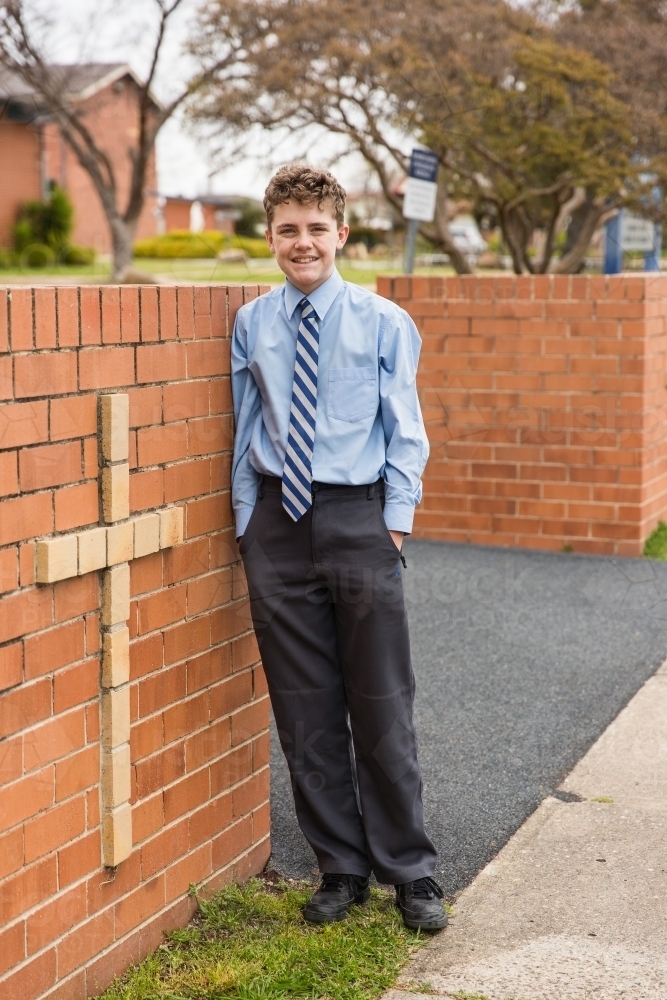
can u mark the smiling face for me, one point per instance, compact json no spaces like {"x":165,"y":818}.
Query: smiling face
{"x":304,"y":239}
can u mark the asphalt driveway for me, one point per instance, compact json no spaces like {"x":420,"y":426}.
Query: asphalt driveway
{"x":522,"y":660}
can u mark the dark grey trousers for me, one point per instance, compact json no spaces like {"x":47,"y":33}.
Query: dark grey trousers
{"x":326,"y":596}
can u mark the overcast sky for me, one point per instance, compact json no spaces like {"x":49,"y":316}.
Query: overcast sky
{"x":122,"y":31}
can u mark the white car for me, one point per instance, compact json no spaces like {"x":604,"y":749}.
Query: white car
{"x":467,"y":237}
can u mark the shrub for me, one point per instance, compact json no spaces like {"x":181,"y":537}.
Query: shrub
{"x":7,"y":258}
{"x":22,"y":232}
{"x":44,"y":222}
{"x":253,"y":247}
{"x":73,"y":254}
{"x":37,"y":255}
{"x":181,"y":243}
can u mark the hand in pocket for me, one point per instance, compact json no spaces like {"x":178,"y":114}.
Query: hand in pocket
{"x":397,"y":538}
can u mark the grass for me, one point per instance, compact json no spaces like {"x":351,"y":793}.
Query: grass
{"x":254,"y":271}
{"x":655,"y":546}
{"x":36,"y":275}
{"x":250,"y":942}
{"x":469,"y":996}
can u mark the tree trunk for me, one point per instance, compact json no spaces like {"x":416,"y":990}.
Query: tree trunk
{"x":577,"y":220}
{"x":550,"y":239}
{"x":122,"y":239}
{"x":457,"y":257}
{"x":513,"y":244}
{"x":585,"y":220}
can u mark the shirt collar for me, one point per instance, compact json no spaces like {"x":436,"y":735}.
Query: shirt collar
{"x":320,"y":299}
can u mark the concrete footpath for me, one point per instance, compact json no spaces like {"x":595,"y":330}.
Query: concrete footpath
{"x":574,"y":907}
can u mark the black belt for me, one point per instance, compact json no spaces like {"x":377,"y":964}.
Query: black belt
{"x":273,"y":484}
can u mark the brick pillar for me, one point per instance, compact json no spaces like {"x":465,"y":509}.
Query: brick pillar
{"x":545,"y":403}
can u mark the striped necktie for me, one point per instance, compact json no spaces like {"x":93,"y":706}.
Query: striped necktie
{"x":298,"y":468}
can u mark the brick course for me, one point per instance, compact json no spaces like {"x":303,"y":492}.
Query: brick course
{"x":545,"y":403}
{"x":199,"y":710}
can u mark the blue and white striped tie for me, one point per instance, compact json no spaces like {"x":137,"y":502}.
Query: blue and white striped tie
{"x":298,"y":468}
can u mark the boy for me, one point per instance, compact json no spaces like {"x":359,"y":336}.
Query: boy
{"x":328,"y":454}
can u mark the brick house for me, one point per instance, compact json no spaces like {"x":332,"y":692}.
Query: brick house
{"x":217,"y":212}
{"x":33,"y":151}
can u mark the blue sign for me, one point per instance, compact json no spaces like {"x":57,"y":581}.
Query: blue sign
{"x":423,"y":165}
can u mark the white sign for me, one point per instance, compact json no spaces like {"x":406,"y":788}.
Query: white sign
{"x":421,"y":186}
{"x":637,"y":234}
{"x":419,"y":200}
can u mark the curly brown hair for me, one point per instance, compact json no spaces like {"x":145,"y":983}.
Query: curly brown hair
{"x":305,"y":185}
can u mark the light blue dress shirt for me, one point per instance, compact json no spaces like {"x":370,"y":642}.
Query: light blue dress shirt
{"x":369,"y":423}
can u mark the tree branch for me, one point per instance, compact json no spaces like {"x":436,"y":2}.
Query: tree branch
{"x":571,"y":261}
{"x":550,"y":237}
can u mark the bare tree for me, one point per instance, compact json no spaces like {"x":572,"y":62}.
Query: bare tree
{"x":23,"y":54}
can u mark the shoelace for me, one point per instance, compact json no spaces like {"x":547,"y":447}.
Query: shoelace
{"x":332,"y":881}
{"x":426,"y":888}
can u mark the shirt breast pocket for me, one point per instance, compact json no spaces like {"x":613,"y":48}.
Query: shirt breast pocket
{"x":353,"y":393}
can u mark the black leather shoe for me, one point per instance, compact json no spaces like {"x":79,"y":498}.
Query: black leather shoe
{"x":420,"y":902}
{"x":335,"y":896}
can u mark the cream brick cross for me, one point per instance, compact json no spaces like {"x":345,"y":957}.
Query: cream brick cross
{"x":111,"y":549}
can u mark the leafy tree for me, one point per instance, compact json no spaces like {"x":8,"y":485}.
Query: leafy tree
{"x":333,"y":65}
{"x":524,"y":124}
{"x":541,"y":139}
{"x":630,"y":37}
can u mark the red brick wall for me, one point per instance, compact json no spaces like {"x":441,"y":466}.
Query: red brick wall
{"x":199,"y":737}
{"x":545,"y":402}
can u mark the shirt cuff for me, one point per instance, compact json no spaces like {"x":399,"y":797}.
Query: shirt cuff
{"x":243,"y":515}
{"x":399,"y":517}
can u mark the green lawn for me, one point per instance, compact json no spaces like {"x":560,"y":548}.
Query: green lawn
{"x":251,"y":943}
{"x":206,"y":271}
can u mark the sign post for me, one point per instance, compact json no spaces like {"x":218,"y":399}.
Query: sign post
{"x":653,"y":259}
{"x":629,"y":233}
{"x":419,"y":198}
{"x":613,"y":245}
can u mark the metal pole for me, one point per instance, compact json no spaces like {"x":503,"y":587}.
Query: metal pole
{"x":652,"y":260}
{"x":410,"y":240}
{"x":613,"y":250}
